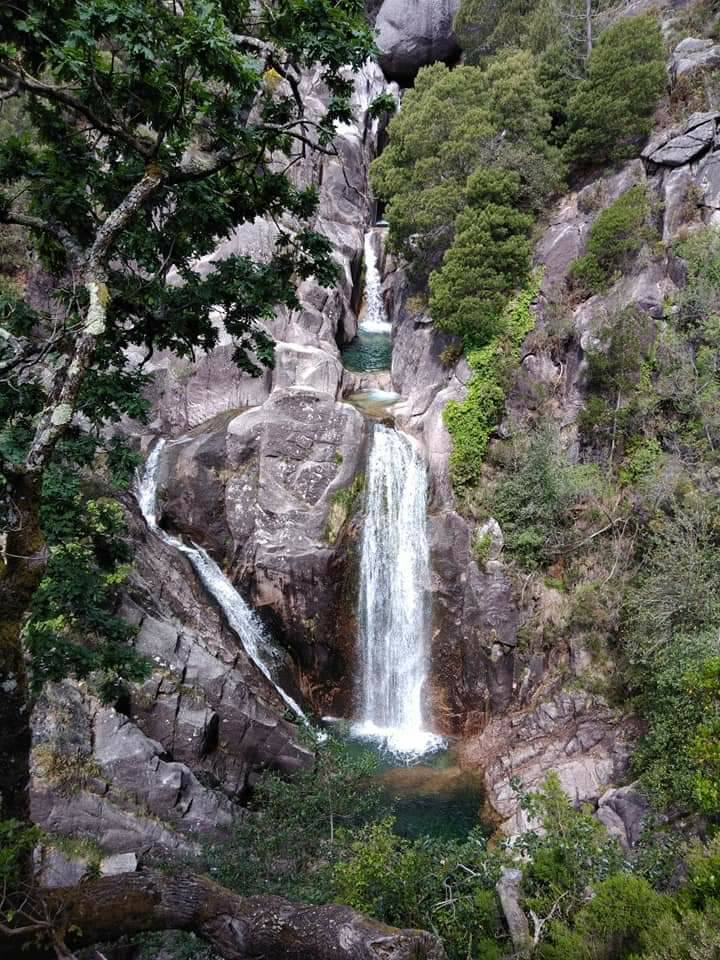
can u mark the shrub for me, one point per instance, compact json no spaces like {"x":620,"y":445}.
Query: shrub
{"x":444,"y":886}
{"x":532,"y":499}
{"x":616,"y":235}
{"x":472,"y":421}
{"x":449,"y":127}
{"x":485,"y":26}
{"x":612,"y":108}
{"x":289,"y":839}
{"x":488,"y":260}
{"x":664,"y":759}
{"x":567,"y":852}
{"x":614,"y":924}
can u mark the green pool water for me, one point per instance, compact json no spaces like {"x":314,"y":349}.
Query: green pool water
{"x":433,"y":797}
{"x":368,"y":352}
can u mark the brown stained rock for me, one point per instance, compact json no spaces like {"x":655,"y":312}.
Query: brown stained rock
{"x":574,"y":734}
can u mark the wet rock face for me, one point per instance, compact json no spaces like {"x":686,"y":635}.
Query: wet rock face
{"x":205,"y":702}
{"x":414,"y":33}
{"x":474,"y":630}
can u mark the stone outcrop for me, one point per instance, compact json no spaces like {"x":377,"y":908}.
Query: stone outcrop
{"x":96,"y":775}
{"x":676,"y":150}
{"x":693,"y":54}
{"x":205,"y":702}
{"x":272,"y":492}
{"x":412,"y":35}
{"x":625,"y":811}
{"x":475,"y":623}
{"x":185,"y":395}
{"x":576,"y":735}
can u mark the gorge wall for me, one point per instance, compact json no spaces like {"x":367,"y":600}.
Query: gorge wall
{"x":266,"y":474}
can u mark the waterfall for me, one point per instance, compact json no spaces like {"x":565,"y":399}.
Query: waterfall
{"x":394,"y":609}
{"x":242,"y":619}
{"x":375,"y":319}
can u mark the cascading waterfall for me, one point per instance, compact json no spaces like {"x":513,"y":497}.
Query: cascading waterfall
{"x":371,"y":350}
{"x":375,"y":319}
{"x":241,"y":618}
{"x":394,"y":609}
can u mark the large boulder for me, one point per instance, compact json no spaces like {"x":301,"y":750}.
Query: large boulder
{"x":96,"y":775}
{"x":676,"y":150}
{"x":414,"y":33}
{"x":693,"y":53}
{"x":573,"y":734}
{"x":273,"y":493}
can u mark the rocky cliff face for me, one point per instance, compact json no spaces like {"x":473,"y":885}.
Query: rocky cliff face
{"x":267,"y":475}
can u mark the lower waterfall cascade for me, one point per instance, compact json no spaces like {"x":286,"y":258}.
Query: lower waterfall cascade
{"x":393,"y":604}
{"x":242,"y":619}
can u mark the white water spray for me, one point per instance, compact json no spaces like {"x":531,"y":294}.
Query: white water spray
{"x":394,"y":610}
{"x":375,"y":319}
{"x":241,"y":618}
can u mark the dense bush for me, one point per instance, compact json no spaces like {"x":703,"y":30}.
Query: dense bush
{"x":472,"y":421}
{"x":484,"y":27}
{"x":291,"y":836}
{"x":444,"y":886}
{"x":488,"y":260}
{"x":536,"y":495}
{"x":615,"y":237}
{"x":453,"y":123}
{"x":612,"y":108}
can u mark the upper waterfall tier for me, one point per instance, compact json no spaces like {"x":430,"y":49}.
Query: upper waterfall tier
{"x":394,"y":609}
{"x":371,"y":350}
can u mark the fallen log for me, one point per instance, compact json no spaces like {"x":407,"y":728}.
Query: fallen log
{"x":239,"y":928}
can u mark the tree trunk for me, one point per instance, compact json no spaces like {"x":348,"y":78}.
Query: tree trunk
{"x":239,"y":928}
{"x":21,"y":567}
{"x":589,"y":26}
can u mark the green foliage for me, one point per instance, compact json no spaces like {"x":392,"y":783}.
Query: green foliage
{"x":612,"y":108}
{"x":620,"y":394}
{"x":642,"y":461}
{"x":293,"y":831}
{"x":488,"y":260}
{"x":484,"y":27}
{"x":681,"y":596}
{"x":535,"y":498}
{"x":471,"y":422}
{"x":453,"y":123}
{"x":73,"y":628}
{"x":17,"y":842}
{"x":443,"y":886}
{"x":616,"y":235}
{"x":615,"y":924}
{"x":675,"y":715}
{"x":382,"y":104}
{"x":571,"y":852}
{"x":175,"y":945}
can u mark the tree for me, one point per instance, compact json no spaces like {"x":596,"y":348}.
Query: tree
{"x":153,"y":130}
{"x":488,"y":260}
{"x":451,"y":124}
{"x":612,"y":108}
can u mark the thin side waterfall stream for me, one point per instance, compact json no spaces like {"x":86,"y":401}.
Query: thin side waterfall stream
{"x":393,"y":608}
{"x":241,"y":618}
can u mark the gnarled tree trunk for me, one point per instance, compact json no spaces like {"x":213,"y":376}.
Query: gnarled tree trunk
{"x":239,"y":928}
{"x":21,"y":565}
